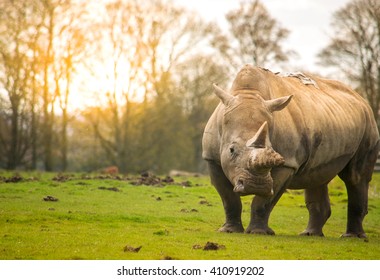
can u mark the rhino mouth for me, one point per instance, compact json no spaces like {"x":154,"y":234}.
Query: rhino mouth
{"x":251,"y":184}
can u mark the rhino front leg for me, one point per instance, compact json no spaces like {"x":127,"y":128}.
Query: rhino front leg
{"x":261,"y":207}
{"x":318,"y":203}
{"x":231,"y":200}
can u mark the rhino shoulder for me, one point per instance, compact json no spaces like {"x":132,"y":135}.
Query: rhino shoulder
{"x":211,"y":139}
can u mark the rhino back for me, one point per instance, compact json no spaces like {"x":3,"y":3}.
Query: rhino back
{"x":322,"y":128}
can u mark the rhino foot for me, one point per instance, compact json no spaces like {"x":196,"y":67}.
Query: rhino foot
{"x":260,"y":231}
{"x":311,"y":233}
{"x":351,"y":234}
{"x":230,"y":228}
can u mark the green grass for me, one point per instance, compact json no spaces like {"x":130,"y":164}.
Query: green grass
{"x":89,"y":221}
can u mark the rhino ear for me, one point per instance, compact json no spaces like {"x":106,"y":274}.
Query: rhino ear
{"x":259,"y":140}
{"x":278,"y":103}
{"x":224,"y":96}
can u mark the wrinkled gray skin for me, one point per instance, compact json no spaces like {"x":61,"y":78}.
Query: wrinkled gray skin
{"x":271,"y":133}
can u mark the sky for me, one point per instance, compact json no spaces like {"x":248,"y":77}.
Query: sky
{"x":308,"y":22}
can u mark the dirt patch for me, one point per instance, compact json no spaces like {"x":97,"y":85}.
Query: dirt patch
{"x":50,"y":198}
{"x":205,"y":202}
{"x":103,"y":177}
{"x":186,"y":184}
{"x":114,"y":189}
{"x":168,"y":258}
{"x":108,"y":177}
{"x":13,"y":179}
{"x":149,"y":179}
{"x":168,"y":179}
{"x":163,"y":232}
{"x":145,"y":178}
{"x":210,"y":246}
{"x":61,"y":177}
{"x":193,"y":210}
{"x":129,"y":248}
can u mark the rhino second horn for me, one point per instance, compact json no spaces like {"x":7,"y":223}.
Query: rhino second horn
{"x":259,"y":140}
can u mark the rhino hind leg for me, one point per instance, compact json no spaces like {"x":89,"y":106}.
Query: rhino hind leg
{"x":357,"y":209}
{"x":231,"y":200}
{"x":357,"y":175}
{"x":318,"y":204}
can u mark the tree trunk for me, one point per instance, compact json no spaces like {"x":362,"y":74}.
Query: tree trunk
{"x":13,"y":153}
{"x":48,"y":115}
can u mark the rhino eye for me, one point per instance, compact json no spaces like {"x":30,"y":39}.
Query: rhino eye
{"x":233,"y":152}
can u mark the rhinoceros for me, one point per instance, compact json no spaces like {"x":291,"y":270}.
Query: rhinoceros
{"x":270,"y":133}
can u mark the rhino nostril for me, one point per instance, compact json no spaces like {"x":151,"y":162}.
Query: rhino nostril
{"x":239,"y":186}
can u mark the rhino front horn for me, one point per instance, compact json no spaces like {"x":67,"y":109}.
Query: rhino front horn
{"x":264,"y":160}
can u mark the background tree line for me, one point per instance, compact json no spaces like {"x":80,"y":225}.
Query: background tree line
{"x":85,"y":85}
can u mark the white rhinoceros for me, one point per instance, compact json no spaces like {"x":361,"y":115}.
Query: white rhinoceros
{"x":272,"y":133}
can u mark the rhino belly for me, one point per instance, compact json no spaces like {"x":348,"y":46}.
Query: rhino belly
{"x":315,"y":176}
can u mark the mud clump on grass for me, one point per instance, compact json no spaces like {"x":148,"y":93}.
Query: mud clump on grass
{"x":186,"y":184}
{"x":168,"y":258}
{"x":132,"y":249}
{"x":108,"y":177}
{"x":61,"y":177}
{"x":193,"y":210}
{"x":146,"y":178}
{"x":149,"y":179}
{"x":163,"y":232}
{"x":16,"y":178}
{"x":213,"y":246}
{"x":114,"y":189}
{"x":168,"y":179}
{"x":209,"y":246}
{"x":50,"y":198}
{"x":205,"y":202}
{"x":102,"y":177}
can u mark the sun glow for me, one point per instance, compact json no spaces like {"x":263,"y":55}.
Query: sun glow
{"x":118,"y":70}
{"x":132,"y":49}
{"x":102,"y":84}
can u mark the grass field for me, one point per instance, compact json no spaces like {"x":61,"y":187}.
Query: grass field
{"x":45,"y":216}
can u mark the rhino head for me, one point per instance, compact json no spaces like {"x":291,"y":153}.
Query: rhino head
{"x":246,"y":153}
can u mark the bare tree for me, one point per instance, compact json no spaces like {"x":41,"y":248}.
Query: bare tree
{"x":41,"y":42}
{"x":69,"y":52}
{"x":196,"y":77}
{"x":119,"y":53}
{"x":61,"y":46}
{"x":355,"y":47}
{"x":143,"y":42}
{"x":255,"y":37}
{"x":17,"y":63}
